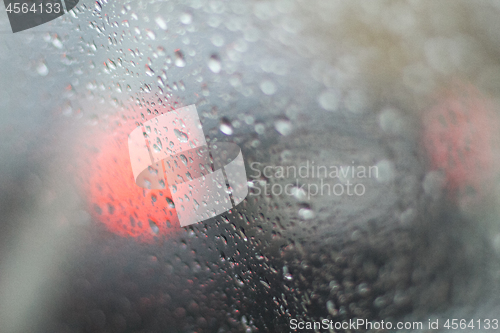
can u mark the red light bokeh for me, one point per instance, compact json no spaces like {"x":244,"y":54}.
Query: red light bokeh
{"x":113,"y":197}
{"x":460,"y":136}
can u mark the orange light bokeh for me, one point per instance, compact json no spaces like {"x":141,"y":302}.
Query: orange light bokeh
{"x":113,"y":197}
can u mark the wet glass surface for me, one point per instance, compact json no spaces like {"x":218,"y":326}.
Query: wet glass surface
{"x":369,"y":135}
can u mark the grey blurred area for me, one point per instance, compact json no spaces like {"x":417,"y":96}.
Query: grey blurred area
{"x":334,"y":82}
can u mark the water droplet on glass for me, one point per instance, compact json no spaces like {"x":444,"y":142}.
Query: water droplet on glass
{"x":329,"y":100}
{"x":160,"y":51}
{"x":111,"y":64}
{"x":298,"y":193}
{"x":154,"y":227}
{"x":161,"y":23}
{"x":42,"y":69}
{"x":157,"y":146}
{"x":363,"y":289}
{"x":330,"y":306}
{"x":161,"y":83}
{"x":150,"y":34}
{"x":56,"y":41}
{"x":181,"y":136}
{"x":283,"y":126}
{"x":286,"y":274}
{"x":67,"y":110}
{"x":306,"y":213}
{"x":170,"y":202}
{"x":225,"y":126}
{"x":390,"y":121}
{"x":260,"y":128}
{"x":179,"y":59}
{"x":268,"y":87}
{"x":217,"y":40}
{"x":265,"y":284}
{"x":239,"y":281}
{"x":186,"y":18}
{"x":149,"y":71}
{"x":214,"y":64}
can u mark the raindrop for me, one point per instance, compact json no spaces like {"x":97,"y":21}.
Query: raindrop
{"x":283,"y":126}
{"x":268,"y":87}
{"x":214,"y":64}
{"x":217,"y":40}
{"x":181,"y":136}
{"x":380,"y":302}
{"x":157,"y":146}
{"x":170,"y":202}
{"x":239,"y":281}
{"x":42,"y":69}
{"x":151,"y":34}
{"x":265,"y":284}
{"x":306,"y":213}
{"x":390,"y":121}
{"x":160,"y":50}
{"x":149,"y":71}
{"x":298,"y":193}
{"x":56,"y":41}
{"x":260,"y":128}
{"x":329,"y":100}
{"x":286,"y":274}
{"x":225,"y":126}
{"x":111,"y":64}
{"x":243,"y":235}
{"x":161,"y":83}
{"x":179,"y":59}
{"x":67,"y":109}
{"x":186,"y":18}
{"x":330,"y":306}
{"x":161,"y":23}
{"x":249,"y":119}
{"x":154,"y":227}
{"x":363,"y":289}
